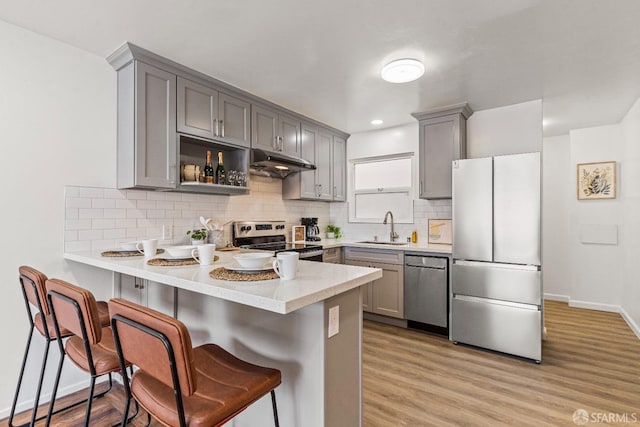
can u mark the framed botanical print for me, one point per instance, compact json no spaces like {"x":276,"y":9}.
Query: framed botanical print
{"x":596,"y":181}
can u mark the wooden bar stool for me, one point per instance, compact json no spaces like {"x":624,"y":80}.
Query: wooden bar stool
{"x":91,"y":346}
{"x":180,"y":385}
{"x":32,"y":283}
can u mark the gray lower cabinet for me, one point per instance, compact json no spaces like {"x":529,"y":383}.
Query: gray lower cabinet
{"x":332,"y":255}
{"x":274,"y":131}
{"x":147,"y":151}
{"x":442,"y":139}
{"x":385,"y":295}
{"x":147,"y":293}
{"x":206,"y":112}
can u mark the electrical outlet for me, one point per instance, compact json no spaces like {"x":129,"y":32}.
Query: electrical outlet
{"x":334,"y":320}
{"x":167,"y":232}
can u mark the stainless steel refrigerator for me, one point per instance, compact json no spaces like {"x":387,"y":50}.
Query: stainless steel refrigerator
{"x":496,"y":275}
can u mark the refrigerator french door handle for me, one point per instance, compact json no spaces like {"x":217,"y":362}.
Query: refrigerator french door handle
{"x":496,"y":265}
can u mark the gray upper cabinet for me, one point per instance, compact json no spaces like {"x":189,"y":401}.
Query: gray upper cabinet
{"x":316,"y":145}
{"x":197,"y":109}
{"x":206,"y":112}
{"x":147,"y":153}
{"x":274,"y":131}
{"x":324,"y":171}
{"x":339,"y":164}
{"x":234,"y":120}
{"x":442,"y":139}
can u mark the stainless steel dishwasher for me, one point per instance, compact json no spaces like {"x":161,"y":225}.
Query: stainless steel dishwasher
{"x":426,"y":293}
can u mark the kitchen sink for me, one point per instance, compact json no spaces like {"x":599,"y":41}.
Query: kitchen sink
{"x":382,"y":242}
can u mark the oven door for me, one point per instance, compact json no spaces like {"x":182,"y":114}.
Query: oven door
{"x":311,"y":255}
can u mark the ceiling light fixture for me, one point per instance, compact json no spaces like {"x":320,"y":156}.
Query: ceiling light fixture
{"x":402,"y":70}
{"x":376,"y":122}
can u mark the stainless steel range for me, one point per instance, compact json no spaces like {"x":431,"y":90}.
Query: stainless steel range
{"x":271,"y":236}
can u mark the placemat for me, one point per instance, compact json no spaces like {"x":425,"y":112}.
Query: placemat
{"x":224,"y":274}
{"x":176,"y":262}
{"x":126,"y":253}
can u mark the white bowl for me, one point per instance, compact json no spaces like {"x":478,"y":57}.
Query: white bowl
{"x":129,"y":246}
{"x":180,"y":251}
{"x":253,"y":259}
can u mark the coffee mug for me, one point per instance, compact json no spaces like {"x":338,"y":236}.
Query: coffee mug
{"x":149,"y":247}
{"x":204,"y":254}
{"x":286,"y":265}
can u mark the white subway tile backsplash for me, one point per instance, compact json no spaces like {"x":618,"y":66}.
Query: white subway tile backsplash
{"x":77,"y":245}
{"x":111,"y":193}
{"x":174,"y":197}
{"x":77,"y":202}
{"x":91,"y":192}
{"x":155,"y":213}
{"x":90,"y":234}
{"x":101,"y":245}
{"x":146,"y":204}
{"x":164,"y":205}
{"x":70,"y":235}
{"x":115,"y":213}
{"x":136,"y":194}
{"x":77,"y":224}
{"x":156,"y":195}
{"x":125,"y":204}
{"x":103,"y":203}
{"x":135,"y":213}
{"x":71,"y":192}
{"x":115,"y":233}
{"x":71,"y":213}
{"x":102,"y":224}
{"x":126,"y":223}
{"x":90,"y":213}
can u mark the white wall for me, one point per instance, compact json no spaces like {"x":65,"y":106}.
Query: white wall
{"x":630,"y":173}
{"x":384,"y":142}
{"x":511,"y":129}
{"x":596,"y":280}
{"x":58,"y":127}
{"x":556,"y":189}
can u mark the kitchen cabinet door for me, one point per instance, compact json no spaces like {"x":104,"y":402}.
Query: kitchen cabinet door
{"x":264,"y":127}
{"x":147,"y":293}
{"x":324,"y":171}
{"x":339,"y":165}
{"x":367,"y":290}
{"x":307,"y":179}
{"x":289,"y":133}
{"x":388,"y":291}
{"x":147,"y":149}
{"x":442,"y":139}
{"x":197,"y":109}
{"x":234,"y":120}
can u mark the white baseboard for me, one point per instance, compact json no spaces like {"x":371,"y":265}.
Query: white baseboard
{"x":557,"y":297}
{"x":27,"y":405}
{"x":594,"y":306}
{"x":633,"y":325}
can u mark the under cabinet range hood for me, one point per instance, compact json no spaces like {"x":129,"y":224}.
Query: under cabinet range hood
{"x":277,"y":164}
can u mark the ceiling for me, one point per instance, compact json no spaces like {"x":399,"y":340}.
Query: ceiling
{"x":323,"y":58}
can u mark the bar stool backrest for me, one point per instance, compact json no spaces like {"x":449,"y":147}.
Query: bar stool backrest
{"x":147,"y":337}
{"x":33,"y":286}
{"x":67,"y":316}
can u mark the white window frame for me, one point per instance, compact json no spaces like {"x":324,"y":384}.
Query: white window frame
{"x":406,"y":190}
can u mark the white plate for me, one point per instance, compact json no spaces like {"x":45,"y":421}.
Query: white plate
{"x":240,"y":269}
{"x":129,"y":246}
{"x":180,"y":251}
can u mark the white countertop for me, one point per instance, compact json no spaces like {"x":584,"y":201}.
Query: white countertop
{"x":316,"y":281}
{"x":408,"y":247}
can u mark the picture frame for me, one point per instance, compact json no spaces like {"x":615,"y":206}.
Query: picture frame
{"x":596,"y":181}
{"x":439,"y":231}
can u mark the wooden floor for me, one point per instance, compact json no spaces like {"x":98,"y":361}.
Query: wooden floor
{"x":591,"y":361}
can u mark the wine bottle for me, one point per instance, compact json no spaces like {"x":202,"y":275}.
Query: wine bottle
{"x":208,"y":170}
{"x":220,"y":174}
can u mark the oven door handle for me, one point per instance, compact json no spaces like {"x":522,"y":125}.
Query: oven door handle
{"x":311,"y":254}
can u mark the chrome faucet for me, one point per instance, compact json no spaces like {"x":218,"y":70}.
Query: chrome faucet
{"x":393,"y":236}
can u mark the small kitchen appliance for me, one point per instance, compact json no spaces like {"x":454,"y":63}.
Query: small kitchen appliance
{"x":271,"y":236}
{"x":313,"y":231}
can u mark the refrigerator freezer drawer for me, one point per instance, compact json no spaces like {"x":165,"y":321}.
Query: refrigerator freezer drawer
{"x":486,"y":280}
{"x":497,"y":327}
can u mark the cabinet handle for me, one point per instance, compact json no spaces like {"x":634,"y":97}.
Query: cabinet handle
{"x":335,"y":191}
{"x":275,"y":143}
{"x":222,"y":126}
{"x":280,"y":144}
{"x":420,"y":187}
{"x":217,"y":128}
